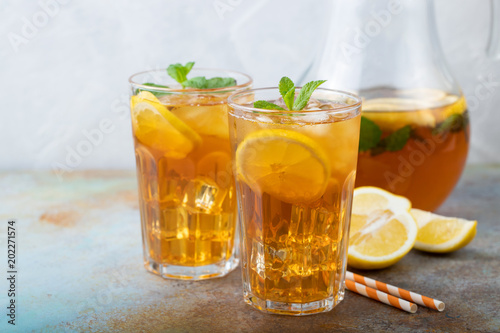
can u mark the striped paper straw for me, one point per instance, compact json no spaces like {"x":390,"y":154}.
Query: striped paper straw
{"x":395,"y":291}
{"x":381,"y":296}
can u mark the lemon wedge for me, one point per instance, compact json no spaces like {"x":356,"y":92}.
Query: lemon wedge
{"x":288,"y":165}
{"x":440,"y":234}
{"x":158,"y":128}
{"x":382,"y":229}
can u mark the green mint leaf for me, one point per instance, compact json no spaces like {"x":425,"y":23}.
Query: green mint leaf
{"x":370,"y":134}
{"x":156,"y":93}
{"x":154,"y":85}
{"x":201,"y":82}
{"x":305,"y":94}
{"x":289,"y":97}
{"x":179,"y":72}
{"x":398,"y":139}
{"x":221,"y":82}
{"x":285,"y":85}
{"x":454,"y":123}
{"x":287,"y":91}
{"x":189,"y":66}
{"x":266,"y":105}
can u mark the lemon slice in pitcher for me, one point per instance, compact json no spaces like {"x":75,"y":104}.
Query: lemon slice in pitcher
{"x":286,"y":164}
{"x":391,"y":114}
{"x":158,"y":128}
{"x":382,"y":229}
{"x":440,"y":234}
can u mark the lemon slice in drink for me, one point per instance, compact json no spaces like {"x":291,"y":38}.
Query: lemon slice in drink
{"x":440,"y":234}
{"x":286,"y":164}
{"x":382,"y":229}
{"x":158,"y":128}
{"x":146,"y":96}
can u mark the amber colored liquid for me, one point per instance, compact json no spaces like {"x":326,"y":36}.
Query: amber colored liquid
{"x":427,"y":168}
{"x":296,"y":252}
{"x":188,"y":205}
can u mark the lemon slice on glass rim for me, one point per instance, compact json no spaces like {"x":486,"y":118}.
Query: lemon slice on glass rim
{"x":287,"y":165}
{"x":158,"y":128}
{"x":382,"y":229}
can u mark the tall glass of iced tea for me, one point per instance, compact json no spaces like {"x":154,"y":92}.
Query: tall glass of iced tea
{"x":295,"y":173}
{"x":186,"y":186}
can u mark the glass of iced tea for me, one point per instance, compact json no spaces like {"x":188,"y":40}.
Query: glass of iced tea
{"x":186,"y":185}
{"x":295,"y":173}
{"x":414,"y":143}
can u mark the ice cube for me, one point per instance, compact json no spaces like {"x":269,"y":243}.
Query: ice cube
{"x":318,"y":104}
{"x":310,"y":238}
{"x":281,"y":102}
{"x":203,"y":195}
{"x":264,"y":119}
{"x":314,"y":118}
{"x":257,"y":259}
{"x":191,"y":99}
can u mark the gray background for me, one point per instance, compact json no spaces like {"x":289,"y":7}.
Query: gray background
{"x":69,"y":74}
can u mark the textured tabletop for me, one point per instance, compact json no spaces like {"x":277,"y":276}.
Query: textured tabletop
{"x":80,"y":268}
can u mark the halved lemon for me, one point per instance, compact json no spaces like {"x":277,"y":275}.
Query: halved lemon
{"x":382,"y":229}
{"x":158,"y":128}
{"x":288,"y":165}
{"x":440,"y":234}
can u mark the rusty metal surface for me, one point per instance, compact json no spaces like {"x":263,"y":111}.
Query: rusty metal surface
{"x":81,"y":268}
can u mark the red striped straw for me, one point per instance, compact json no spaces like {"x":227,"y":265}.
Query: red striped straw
{"x":381,"y":296}
{"x":398,"y":292}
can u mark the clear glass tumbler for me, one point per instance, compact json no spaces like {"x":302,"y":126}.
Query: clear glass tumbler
{"x":295,"y":173}
{"x":186,"y":186}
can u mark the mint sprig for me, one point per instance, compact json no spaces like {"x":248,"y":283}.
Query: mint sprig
{"x":370,"y":134}
{"x":149,"y":84}
{"x":179,"y":73}
{"x":454,"y":123}
{"x":397,"y":140}
{"x":267,"y":105}
{"x":287,"y":92}
{"x":154,"y":85}
{"x":201,"y":82}
{"x":370,"y":138}
{"x":305,"y":94}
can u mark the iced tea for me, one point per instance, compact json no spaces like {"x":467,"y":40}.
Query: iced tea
{"x":186,"y":186}
{"x":295,"y":174}
{"x":423,"y":140}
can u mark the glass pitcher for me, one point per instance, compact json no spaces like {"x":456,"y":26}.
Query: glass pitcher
{"x":415,"y":126}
